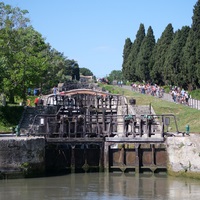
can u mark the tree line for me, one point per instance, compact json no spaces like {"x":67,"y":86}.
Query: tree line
{"x":174,"y":59}
{"x":26,"y":60}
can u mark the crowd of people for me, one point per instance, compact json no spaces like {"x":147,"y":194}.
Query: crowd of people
{"x":153,"y":90}
{"x":178,"y":95}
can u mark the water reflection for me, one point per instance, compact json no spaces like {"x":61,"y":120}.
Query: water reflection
{"x":100,"y":186}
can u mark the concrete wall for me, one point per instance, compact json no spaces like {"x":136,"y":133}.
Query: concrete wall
{"x":24,"y":156}
{"x":184,"y":155}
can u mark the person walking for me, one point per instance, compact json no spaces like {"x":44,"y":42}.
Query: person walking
{"x":54,"y":90}
{"x":36,"y":101}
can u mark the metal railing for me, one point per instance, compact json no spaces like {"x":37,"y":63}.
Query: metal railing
{"x":193,"y":103}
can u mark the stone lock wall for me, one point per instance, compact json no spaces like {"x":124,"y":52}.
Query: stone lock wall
{"x":22,"y":155}
{"x":184,"y":155}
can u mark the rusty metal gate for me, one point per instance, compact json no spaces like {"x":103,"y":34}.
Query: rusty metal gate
{"x":74,"y":156}
{"x":136,"y":157}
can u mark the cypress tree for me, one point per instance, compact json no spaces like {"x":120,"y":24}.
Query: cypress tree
{"x":196,"y":29}
{"x":196,"y":20}
{"x":174,"y":74}
{"x":132,"y":59}
{"x":160,"y":53}
{"x":189,"y":61}
{"x":191,"y":56}
{"x":126,"y":53}
{"x":144,"y":55}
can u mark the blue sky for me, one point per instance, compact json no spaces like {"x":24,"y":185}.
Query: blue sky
{"x":93,"y":32}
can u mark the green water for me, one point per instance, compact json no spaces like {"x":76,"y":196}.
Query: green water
{"x":100,"y":186}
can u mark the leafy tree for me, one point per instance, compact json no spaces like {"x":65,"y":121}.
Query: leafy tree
{"x":115,"y":75}
{"x":56,"y":70}
{"x":26,"y":64}
{"x":13,"y":23}
{"x":85,"y":71}
{"x":12,"y":18}
{"x":26,"y":60}
{"x":60,"y":70}
{"x":35,"y":59}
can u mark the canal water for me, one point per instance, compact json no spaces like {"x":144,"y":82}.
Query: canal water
{"x":101,"y":186}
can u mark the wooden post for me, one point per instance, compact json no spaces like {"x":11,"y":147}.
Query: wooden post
{"x":106,"y":156}
{"x":73,"y":159}
{"x":137,"y":162}
{"x":101,"y":157}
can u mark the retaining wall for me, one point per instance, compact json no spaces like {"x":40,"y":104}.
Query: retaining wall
{"x":22,"y":156}
{"x":184,"y":155}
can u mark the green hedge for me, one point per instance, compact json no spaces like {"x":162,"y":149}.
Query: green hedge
{"x":195,"y":94}
{"x":10,"y":116}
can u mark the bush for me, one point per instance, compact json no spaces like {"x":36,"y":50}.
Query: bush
{"x":166,"y":88}
{"x":195,"y":94}
{"x":10,"y":116}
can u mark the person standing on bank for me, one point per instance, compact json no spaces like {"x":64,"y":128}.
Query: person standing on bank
{"x":36,"y":101}
{"x":54,"y":90}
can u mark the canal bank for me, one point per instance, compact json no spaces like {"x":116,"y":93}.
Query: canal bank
{"x":21,"y":157}
{"x":184,"y":156}
{"x":34,"y":156}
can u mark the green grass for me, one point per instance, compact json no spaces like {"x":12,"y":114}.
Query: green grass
{"x":195,"y":94}
{"x":9,"y":117}
{"x":10,"y":114}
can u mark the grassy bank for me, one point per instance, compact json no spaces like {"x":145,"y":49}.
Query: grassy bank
{"x":184,"y":114}
{"x":10,"y":114}
{"x":10,"y":117}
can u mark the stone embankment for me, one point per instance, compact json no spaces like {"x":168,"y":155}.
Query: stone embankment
{"x":184,"y":155}
{"x":22,"y":156}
